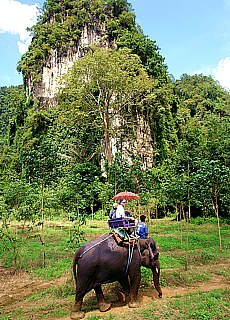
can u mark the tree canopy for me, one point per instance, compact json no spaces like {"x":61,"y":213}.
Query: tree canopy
{"x":102,"y":89}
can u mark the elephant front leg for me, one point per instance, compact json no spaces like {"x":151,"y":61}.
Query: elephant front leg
{"x":103,"y":305}
{"x":134,"y":287}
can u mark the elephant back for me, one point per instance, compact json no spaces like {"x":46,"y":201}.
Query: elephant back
{"x":105,"y":248}
{"x":90,"y":246}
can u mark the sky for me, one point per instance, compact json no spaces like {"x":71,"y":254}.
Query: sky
{"x":193,"y":36}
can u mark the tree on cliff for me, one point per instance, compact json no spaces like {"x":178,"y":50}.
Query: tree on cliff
{"x":101,"y":87}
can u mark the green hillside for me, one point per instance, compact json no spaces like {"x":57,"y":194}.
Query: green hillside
{"x":50,"y":160}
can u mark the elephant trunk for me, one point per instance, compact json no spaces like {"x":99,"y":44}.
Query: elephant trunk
{"x":156,"y":277}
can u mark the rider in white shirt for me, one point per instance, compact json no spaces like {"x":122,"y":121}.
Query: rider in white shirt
{"x":120,"y":212}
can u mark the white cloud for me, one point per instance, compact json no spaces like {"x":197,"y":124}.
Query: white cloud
{"x":222,"y":72}
{"x":15,"y":17}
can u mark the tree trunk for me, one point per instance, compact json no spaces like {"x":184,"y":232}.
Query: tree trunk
{"x":189,"y":205}
{"x":69,"y":224}
{"x":181,"y":236}
{"x":215,"y":207}
{"x":177,"y":217}
{"x":115,"y":181}
{"x":43,"y":222}
{"x":148,"y":210}
{"x":92,"y":211}
{"x":108,"y":151}
{"x":187,"y":234}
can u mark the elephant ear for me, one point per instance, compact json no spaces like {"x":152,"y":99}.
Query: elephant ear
{"x":144,"y":244}
{"x":145,"y":258}
{"x":154,"y":248}
{"x":152,"y":244}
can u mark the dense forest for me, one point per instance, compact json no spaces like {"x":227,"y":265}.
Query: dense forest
{"x":50,"y":158}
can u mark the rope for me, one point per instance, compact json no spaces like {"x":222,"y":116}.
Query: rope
{"x":129,"y":257}
{"x":96,"y":244}
{"x":128,"y":262}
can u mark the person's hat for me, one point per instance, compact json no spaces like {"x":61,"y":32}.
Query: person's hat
{"x":121,"y":200}
{"x":115,"y":205}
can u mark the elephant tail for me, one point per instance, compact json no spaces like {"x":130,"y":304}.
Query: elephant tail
{"x":75,"y":261}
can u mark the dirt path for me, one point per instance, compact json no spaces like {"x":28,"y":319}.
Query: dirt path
{"x":16,"y":285}
{"x":149,"y":296}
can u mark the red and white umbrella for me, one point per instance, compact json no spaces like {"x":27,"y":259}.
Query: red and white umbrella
{"x":126,"y":195}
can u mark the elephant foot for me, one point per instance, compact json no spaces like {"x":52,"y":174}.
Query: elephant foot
{"x":133,"y":305}
{"x":160,"y":295}
{"x":121,"y":296}
{"x":77,"y":315}
{"x":104,"y":306}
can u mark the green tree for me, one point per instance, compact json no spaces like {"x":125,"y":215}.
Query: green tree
{"x":198,"y":96}
{"x":147,"y":50}
{"x":212,"y":186}
{"x":79,"y":189}
{"x":102,"y":86}
{"x":11,"y":102}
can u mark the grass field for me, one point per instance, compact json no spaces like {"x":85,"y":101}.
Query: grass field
{"x":195,"y":273}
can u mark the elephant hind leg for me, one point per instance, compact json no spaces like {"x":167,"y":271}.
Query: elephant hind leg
{"x":76,"y":312}
{"x":82,"y":287}
{"x":103,"y":305}
{"x":125,"y":285}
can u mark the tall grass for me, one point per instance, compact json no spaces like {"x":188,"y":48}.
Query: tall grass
{"x":203,"y":245}
{"x":200,"y":254}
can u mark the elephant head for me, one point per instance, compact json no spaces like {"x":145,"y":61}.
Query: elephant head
{"x":149,"y":252}
{"x":149,"y":259}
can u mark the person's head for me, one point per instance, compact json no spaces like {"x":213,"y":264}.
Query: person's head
{"x":115,"y":205}
{"x":142,"y":218}
{"x":122,"y":202}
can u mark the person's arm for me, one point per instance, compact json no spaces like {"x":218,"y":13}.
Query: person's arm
{"x":138,"y":229}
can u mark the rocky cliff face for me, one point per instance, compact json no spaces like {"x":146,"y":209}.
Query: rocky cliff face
{"x":57,"y":65}
{"x":141,"y":144}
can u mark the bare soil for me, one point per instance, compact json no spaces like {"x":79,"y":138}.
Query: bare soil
{"x":17,"y":285}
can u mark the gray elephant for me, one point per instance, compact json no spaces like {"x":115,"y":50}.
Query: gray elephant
{"x":104,"y":261}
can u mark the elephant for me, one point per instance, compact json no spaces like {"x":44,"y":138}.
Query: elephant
{"x":104,"y":260}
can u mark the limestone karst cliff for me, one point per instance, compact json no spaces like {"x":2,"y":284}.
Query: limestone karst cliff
{"x":62,"y":36}
{"x":65,"y":33}
{"x":57,"y":65}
